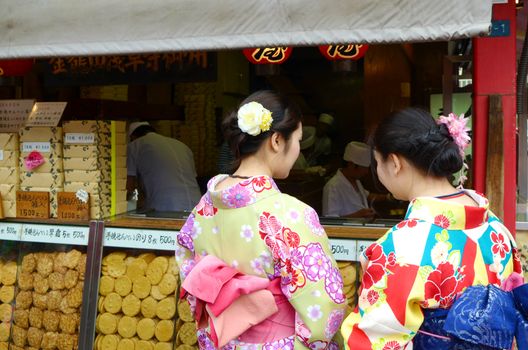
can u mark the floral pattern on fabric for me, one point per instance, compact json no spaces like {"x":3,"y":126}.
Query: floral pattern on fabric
{"x":269,"y":235}
{"x":420,"y":265}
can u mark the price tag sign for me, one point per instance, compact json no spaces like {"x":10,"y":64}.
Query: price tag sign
{"x":362,"y":246}
{"x":46,"y":114}
{"x":343,"y":249}
{"x":36,"y":146}
{"x":140,"y":239}
{"x":74,"y":235}
{"x":10,"y":231}
{"x":14,"y":114}
{"x":79,"y":138}
{"x":71,"y":208}
{"x":32,"y":205}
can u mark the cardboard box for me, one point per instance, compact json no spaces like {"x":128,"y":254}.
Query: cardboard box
{"x":81,"y":126}
{"x":121,"y":162}
{"x":121,"y":207}
{"x":121,"y":196}
{"x":41,"y":134}
{"x":121,"y":138}
{"x":81,"y":164}
{"x":55,"y":149}
{"x":9,"y":158}
{"x":9,"y":209}
{"x":8,"y":192}
{"x":53,"y":179}
{"x":83,"y":175}
{"x":121,"y":173}
{"x":120,"y":184}
{"x":119,"y":126}
{"x":121,"y":150}
{"x":8,"y":141}
{"x":93,"y":188}
{"x":51,"y":164}
{"x":9,"y":175}
{"x":81,"y":151}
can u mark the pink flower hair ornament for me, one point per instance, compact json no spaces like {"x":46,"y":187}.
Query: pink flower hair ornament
{"x":457,"y":127}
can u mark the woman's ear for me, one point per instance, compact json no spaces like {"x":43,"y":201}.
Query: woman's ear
{"x":276,"y":141}
{"x":396,"y":164}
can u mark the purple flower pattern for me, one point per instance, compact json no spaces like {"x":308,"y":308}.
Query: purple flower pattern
{"x":334,"y":286}
{"x":317,"y":264}
{"x":312,"y":220}
{"x":282,"y":344}
{"x":334,"y":322}
{"x":237,"y":196}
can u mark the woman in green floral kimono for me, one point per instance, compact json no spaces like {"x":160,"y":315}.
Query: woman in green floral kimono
{"x":245,"y":227}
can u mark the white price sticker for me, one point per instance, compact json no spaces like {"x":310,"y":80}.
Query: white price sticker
{"x":362,"y":246}
{"x":79,"y":138}
{"x":36,"y":146}
{"x":10,"y":231}
{"x":75,"y":235}
{"x":343,"y":249}
{"x":140,"y":239}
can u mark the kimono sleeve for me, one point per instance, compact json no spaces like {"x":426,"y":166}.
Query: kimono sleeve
{"x":185,"y":247}
{"x":312,"y":282}
{"x":389,"y":312}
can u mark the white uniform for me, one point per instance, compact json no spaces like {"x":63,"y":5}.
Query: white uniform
{"x":165,"y":167}
{"x":340,"y":198}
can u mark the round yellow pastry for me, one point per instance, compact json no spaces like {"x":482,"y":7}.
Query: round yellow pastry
{"x":187,"y":333}
{"x":24,"y":299}
{"x":167,"y":284}
{"x":116,"y":268}
{"x":126,"y":344}
{"x":65,"y":342}
{"x":136,"y":269}
{"x":127,"y":326}
{"x":25,"y":281}
{"x":4,"y":345}
{"x":9,"y":273}
{"x":100,"y":304}
{"x":68,"y":323}
{"x":123,"y":285}
{"x":147,"y":257}
{"x":56,"y":281}
{"x":109,"y":342}
{"x":18,"y":336}
{"x":146,"y":328}
{"x":114,"y":256}
{"x":29,"y":263}
{"x":166,"y":308}
{"x":35,"y":317}
{"x":72,"y":258}
{"x":163,"y":346}
{"x":40,"y":300}
{"x":107,"y":323}
{"x":34,"y":336}
{"x":173,"y":266}
{"x":74,"y":297}
{"x":7,"y":294}
{"x":81,"y":267}
{"x":185,"y":347}
{"x":51,"y":320}
{"x":156,"y":294}
{"x":106,"y":285}
{"x":148,"y":307}
{"x":184,"y":311}
{"x":5,"y":328}
{"x":164,"y":330}
{"x":113,"y":302}
{"x":349,"y":274}
{"x":45,"y":265}
{"x":71,"y":277}
{"x":144,"y":345}
{"x":40,"y":284}
{"x":131,"y":305}
{"x":21,"y":318}
{"x":50,"y":340}
{"x":156,"y":269}
{"x":141,"y":287}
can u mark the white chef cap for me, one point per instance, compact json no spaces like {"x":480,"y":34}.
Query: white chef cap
{"x":357,"y":153}
{"x":308,"y":138}
{"x":326,"y":118}
{"x":133,"y":126}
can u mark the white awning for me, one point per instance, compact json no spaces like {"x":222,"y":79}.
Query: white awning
{"x":45,"y":28}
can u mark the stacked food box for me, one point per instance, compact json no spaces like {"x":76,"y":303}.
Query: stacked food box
{"x":88,"y":159}
{"x":46,"y":142}
{"x":119,"y":174}
{"x":9,"y":176}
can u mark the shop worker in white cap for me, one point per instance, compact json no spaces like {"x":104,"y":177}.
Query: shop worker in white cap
{"x":163,"y":167}
{"x":322,"y":143}
{"x":343,"y":194}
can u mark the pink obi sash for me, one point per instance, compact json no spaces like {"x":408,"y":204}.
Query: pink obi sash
{"x":234,"y":305}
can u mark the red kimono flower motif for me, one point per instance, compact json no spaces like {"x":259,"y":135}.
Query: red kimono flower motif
{"x":261,"y":183}
{"x":442,"y":221}
{"x":392,"y":345}
{"x":391,"y":259}
{"x":372,"y":297}
{"x":499,"y":245}
{"x":269,"y":225}
{"x":410,"y":222}
{"x":292,"y":238}
{"x":205,"y":207}
{"x":376,"y":267}
{"x":442,"y":284}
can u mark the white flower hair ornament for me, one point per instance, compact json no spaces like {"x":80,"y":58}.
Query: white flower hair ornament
{"x":253,"y":118}
{"x":459,"y":132}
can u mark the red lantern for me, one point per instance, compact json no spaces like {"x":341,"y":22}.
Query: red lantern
{"x":343,"y":52}
{"x":15,"y":67}
{"x":266,"y":55}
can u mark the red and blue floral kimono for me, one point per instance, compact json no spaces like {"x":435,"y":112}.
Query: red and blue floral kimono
{"x":415,"y":272}
{"x":251,"y":238}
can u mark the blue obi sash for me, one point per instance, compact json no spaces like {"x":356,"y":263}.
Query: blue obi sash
{"x":482,"y":318}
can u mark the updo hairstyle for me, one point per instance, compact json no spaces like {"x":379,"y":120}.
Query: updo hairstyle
{"x":286,"y":117}
{"x":414,"y":134}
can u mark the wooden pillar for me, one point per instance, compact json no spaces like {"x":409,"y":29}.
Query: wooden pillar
{"x":494,"y":73}
{"x":495,"y":164}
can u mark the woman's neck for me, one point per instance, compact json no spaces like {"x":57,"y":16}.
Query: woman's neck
{"x":431,"y":187}
{"x":252,"y":166}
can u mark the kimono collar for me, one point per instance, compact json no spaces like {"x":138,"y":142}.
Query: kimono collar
{"x":242,"y":194}
{"x":448,"y":214}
